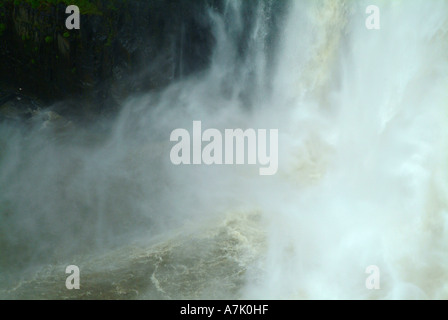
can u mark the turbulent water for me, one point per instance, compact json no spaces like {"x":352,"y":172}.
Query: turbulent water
{"x":362,"y":179}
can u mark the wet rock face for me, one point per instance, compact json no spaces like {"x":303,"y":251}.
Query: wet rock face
{"x":154,"y":41}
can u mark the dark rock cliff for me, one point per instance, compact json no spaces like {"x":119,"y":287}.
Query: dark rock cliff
{"x":154,"y":41}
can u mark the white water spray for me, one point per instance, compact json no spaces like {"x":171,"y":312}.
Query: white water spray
{"x":361,"y":181}
{"x":366,"y":117}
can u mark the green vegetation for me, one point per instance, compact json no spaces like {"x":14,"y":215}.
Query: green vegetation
{"x":2,"y":28}
{"x":85,"y":6}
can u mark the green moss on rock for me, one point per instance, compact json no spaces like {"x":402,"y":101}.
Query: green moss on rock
{"x":85,"y":6}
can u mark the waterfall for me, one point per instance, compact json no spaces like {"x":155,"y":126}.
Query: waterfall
{"x":362,"y":175}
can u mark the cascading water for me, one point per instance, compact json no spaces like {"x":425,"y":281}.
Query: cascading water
{"x":361,"y":181}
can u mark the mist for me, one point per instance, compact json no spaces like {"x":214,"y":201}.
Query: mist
{"x":361,"y":180}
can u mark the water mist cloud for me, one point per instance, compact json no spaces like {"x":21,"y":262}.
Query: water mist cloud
{"x":361,"y":176}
